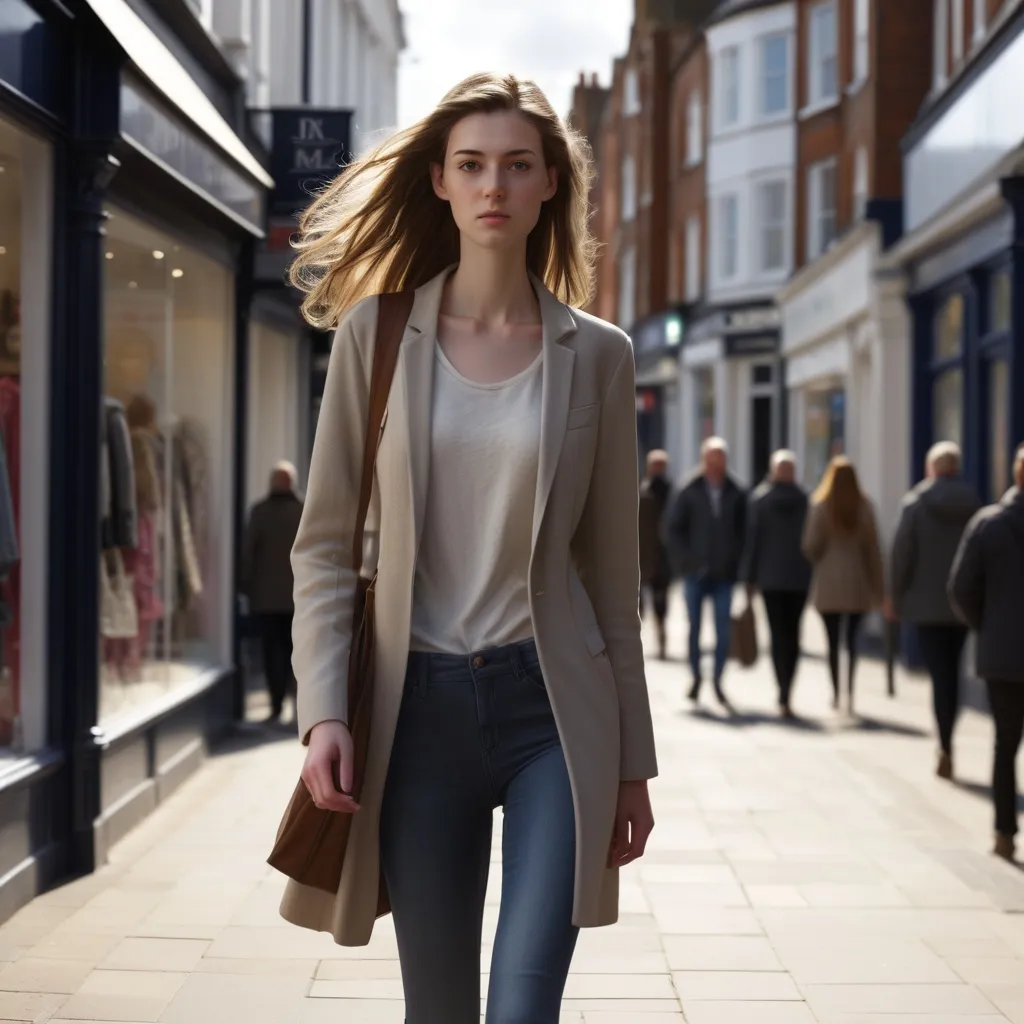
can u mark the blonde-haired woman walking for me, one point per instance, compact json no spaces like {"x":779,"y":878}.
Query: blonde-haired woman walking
{"x":509,"y":669}
{"x":841,"y":543}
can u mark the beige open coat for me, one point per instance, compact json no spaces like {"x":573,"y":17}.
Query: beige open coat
{"x":584,"y":579}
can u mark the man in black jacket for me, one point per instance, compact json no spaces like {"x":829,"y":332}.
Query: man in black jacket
{"x":266,"y":579}
{"x":933,"y":517}
{"x":704,"y":535}
{"x":774,"y":563}
{"x":986,"y":588}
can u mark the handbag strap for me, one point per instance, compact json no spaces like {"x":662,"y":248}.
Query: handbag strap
{"x":392,"y":316}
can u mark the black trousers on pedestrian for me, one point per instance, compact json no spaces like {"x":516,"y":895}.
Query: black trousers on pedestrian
{"x":833,"y":626}
{"x":785,"y":608}
{"x":941,"y":648}
{"x":1007,"y":703}
{"x":658,"y":589}
{"x":276,"y":634}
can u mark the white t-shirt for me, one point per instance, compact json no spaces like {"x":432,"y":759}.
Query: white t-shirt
{"x":471,"y":586}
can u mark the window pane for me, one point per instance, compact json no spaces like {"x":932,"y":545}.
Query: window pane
{"x":730,"y":85}
{"x":167,"y":422}
{"x":704,"y":381}
{"x":824,"y":67}
{"x":1001,"y":298}
{"x":692,"y":259}
{"x":948,"y":407}
{"x":775,"y":74}
{"x":949,"y":329}
{"x":772,"y":197}
{"x":729,"y":240}
{"x":998,"y":428}
{"x":627,"y":288}
{"x":694,"y":141}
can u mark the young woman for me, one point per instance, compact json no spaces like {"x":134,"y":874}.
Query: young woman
{"x":509,"y":669}
{"x":841,"y":542}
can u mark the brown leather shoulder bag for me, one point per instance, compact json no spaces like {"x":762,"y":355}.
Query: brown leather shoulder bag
{"x":311,"y":843}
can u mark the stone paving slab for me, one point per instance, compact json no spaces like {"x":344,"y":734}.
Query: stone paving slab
{"x":812,"y":872}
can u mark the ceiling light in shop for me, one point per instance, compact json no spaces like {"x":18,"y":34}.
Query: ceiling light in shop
{"x":177,"y":272}
{"x":157,"y":254}
{"x":3,"y":250}
{"x":133,"y":284}
{"x":110,"y":255}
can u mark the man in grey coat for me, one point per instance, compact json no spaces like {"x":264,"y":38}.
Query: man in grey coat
{"x":266,"y":579}
{"x":986,"y":587}
{"x":704,"y":534}
{"x":933,"y":517}
{"x":774,"y":563}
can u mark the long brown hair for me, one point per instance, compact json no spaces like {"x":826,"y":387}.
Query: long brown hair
{"x":840,"y":493}
{"x":379,"y":226}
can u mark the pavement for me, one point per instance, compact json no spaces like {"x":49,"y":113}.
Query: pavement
{"x":805,"y":872}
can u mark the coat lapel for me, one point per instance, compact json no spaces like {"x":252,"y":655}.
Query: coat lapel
{"x":418,"y":384}
{"x":556,"y":391}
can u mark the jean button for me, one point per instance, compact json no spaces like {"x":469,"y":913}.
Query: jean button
{"x":479,"y":661}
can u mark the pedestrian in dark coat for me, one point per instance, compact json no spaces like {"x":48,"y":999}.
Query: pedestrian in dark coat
{"x":705,"y":536}
{"x":933,"y":517}
{"x":986,"y":588}
{"x":774,"y":563}
{"x":266,"y":579}
{"x":655,"y":575}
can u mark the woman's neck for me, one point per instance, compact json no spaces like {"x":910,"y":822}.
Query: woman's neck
{"x":491,"y":290}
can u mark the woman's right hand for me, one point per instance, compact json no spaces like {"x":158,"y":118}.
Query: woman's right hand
{"x":329,"y":768}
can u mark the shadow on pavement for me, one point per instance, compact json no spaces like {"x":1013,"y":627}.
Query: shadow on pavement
{"x":865,"y":723}
{"x":984,"y":790}
{"x":243,"y":736}
{"x":739,"y":718}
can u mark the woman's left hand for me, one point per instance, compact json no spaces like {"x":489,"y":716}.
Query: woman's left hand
{"x":633,"y":823}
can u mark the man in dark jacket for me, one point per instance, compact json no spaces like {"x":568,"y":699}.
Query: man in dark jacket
{"x":774,"y":563}
{"x":986,"y":588}
{"x":933,"y":517}
{"x":654,"y":570}
{"x":704,"y":534}
{"x":266,"y":579}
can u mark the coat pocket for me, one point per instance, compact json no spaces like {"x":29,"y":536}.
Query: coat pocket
{"x":582,"y":416}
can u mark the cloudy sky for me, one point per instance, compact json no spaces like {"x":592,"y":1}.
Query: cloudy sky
{"x":550,"y":41}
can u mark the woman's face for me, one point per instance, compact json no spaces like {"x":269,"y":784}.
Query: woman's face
{"x":495,"y":178}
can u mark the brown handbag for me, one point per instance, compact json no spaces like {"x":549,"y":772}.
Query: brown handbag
{"x":311,"y":843}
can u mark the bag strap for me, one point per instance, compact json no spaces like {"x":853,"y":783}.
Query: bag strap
{"x":392,"y":316}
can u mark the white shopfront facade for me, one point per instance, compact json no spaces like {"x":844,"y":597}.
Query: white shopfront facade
{"x":846,"y":352}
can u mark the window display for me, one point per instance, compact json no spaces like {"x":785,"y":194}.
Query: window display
{"x":998,"y":428}
{"x":948,"y":407}
{"x":165,"y":465}
{"x":25,"y":275}
{"x":824,"y":431}
{"x":705,"y":387}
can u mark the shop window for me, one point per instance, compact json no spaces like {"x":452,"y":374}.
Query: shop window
{"x":824,"y":431}
{"x":166,"y":465}
{"x":949,"y":329}
{"x":998,"y":428}
{"x":948,"y":406}
{"x":1000,"y":303}
{"x":25,"y":302}
{"x":704,"y":385}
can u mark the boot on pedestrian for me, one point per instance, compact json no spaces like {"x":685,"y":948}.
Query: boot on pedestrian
{"x":944,"y":770}
{"x":1004,"y":847}
{"x":662,"y":641}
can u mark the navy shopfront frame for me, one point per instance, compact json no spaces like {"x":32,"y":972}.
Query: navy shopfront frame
{"x":67,"y":78}
{"x":968,"y":321}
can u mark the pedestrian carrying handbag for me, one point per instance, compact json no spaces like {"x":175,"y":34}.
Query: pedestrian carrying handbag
{"x":311,"y":843}
{"x":743,"y":637}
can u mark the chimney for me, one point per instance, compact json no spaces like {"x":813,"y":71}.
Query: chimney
{"x":582,"y":80}
{"x":593,"y":80}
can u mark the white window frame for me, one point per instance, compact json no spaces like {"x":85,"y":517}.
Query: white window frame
{"x":775,"y":223}
{"x":631,"y":103}
{"x":818,"y":215}
{"x":861,"y":40}
{"x":627,"y":288}
{"x":940,"y":45}
{"x":861,"y":184}
{"x":728,"y":236}
{"x":729,"y":92}
{"x":694,"y":129}
{"x":822,"y":48}
{"x":629,"y":189}
{"x":956,"y":22}
{"x":762,"y":50}
{"x":980,"y":21}
{"x":692,"y":257}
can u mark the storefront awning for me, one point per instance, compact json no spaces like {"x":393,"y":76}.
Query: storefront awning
{"x":155,"y":62}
